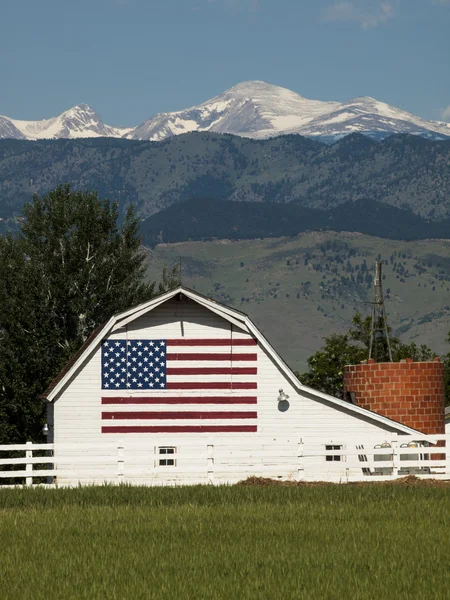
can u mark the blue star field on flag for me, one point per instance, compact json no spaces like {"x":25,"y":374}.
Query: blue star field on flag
{"x":134,"y":365}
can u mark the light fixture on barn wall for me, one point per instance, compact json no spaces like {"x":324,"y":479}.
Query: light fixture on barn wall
{"x":283,"y":401}
{"x":45,"y":429}
{"x":282,"y":396}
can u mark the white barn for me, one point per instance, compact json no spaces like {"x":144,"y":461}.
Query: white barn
{"x":183,"y":389}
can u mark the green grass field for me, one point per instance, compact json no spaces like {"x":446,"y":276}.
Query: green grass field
{"x":299,"y":542}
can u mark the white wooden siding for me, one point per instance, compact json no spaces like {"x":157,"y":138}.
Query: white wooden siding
{"x":77,"y":410}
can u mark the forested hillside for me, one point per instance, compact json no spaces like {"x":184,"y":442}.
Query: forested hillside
{"x":402,"y":171}
{"x":205,"y":219}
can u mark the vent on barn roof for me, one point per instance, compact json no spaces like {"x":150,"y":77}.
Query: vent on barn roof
{"x":379,"y":331}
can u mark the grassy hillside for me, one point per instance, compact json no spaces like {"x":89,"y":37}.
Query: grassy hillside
{"x":303,"y":288}
{"x":402,"y":171}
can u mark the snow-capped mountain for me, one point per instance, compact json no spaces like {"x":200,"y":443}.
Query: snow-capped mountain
{"x":78,"y":122}
{"x":371,"y":117}
{"x":251,"y":109}
{"x":9,"y":130}
{"x":259,"y":110}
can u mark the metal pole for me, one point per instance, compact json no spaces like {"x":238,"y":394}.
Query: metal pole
{"x":379,"y":311}
{"x":372,"y":329}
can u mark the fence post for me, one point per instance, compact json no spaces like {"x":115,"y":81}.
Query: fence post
{"x":50,"y":467}
{"x":300,"y":465}
{"x":29,"y":466}
{"x":210,"y":462}
{"x":120,"y":462}
{"x":447,"y":454}
{"x":395,"y":455}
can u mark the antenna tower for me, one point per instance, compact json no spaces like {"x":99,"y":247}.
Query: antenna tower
{"x":379,"y":326}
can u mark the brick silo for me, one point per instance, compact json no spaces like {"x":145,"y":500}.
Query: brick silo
{"x":409,"y":392}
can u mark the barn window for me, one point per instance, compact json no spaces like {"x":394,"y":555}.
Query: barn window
{"x":166,"y":456}
{"x":333,"y":457}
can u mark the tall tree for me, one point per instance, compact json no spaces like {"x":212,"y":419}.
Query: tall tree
{"x":71,"y":267}
{"x":326,"y":367}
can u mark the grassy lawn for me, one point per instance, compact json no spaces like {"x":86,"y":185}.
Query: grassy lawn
{"x":356,"y":542}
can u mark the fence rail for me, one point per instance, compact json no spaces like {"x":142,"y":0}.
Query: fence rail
{"x":225,"y":460}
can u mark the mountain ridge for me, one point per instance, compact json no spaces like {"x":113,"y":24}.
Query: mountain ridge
{"x":402,"y":171}
{"x":253,"y":109}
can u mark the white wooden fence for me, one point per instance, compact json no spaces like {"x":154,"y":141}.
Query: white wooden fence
{"x":225,"y":460}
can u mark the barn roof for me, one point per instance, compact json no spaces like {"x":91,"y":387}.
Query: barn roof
{"x":230,"y":314}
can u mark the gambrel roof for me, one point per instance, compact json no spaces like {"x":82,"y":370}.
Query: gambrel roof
{"x":232,"y":315}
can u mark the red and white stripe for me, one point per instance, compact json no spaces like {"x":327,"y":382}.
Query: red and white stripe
{"x":211,"y":388}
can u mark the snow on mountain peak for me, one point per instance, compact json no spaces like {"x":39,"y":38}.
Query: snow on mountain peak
{"x":80,"y":109}
{"x":251,"y":108}
{"x":80,"y":121}
{"x":84,"y":107}
{"x":254,"y":109}
{"x":258,"y":89}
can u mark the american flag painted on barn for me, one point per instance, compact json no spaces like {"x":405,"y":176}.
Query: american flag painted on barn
{"x":187,"y":385}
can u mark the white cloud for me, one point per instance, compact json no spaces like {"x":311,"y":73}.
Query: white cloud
{"x":445,"y":114}
{"x":367,"y":13}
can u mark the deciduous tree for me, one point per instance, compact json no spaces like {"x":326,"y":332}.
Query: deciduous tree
{"x":70,"y":268}
{"x":326,"y":367}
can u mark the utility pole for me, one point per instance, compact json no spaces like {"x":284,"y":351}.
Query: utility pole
{"x":379,"y":320}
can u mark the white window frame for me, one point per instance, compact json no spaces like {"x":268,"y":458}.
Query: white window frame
{"x":165,"y":451}
{"x":334,"y":457}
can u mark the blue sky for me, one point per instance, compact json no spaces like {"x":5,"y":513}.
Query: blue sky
{"x":130,"y":59}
